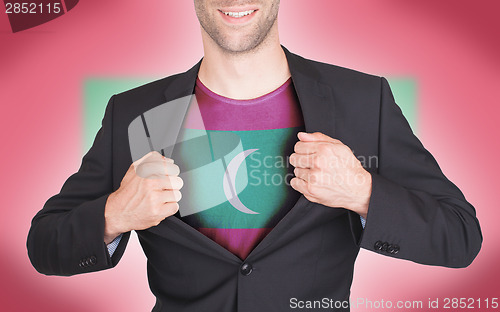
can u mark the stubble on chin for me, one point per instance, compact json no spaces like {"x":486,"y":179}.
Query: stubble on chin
{"x":244,"y":44}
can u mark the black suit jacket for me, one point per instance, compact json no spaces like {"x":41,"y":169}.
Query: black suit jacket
{"x":415,"y":212}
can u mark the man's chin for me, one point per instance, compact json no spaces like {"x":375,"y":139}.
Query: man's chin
{"x":238,"y":50}
{"x":239,"y":46}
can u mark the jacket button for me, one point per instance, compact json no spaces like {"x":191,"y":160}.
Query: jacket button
{"x":378,"y":245}
{"x":384,"y":246}
{"x":246,"y":269}
{"x":396,"y":249}
{"x":390,"y":249}
{"x":93,"y":260}
{"x":83,"y":263}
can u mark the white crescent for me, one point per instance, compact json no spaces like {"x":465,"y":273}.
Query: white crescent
{"x":229,"y":182}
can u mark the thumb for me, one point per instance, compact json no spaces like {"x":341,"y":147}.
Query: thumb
{"x":132,"y":169}
{"x":152,"y":156}
{"x":143,"y":158}
{"x":149,"y":157}
{"x":316,"y":136}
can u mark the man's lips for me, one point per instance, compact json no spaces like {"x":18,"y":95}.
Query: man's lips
{"x":237,"y":15}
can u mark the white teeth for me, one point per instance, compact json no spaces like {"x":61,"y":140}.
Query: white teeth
{"x":239,"y":14}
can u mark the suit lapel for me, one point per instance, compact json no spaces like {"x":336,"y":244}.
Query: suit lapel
{"x":181,"y":88}
{"x":317,"y":105}
{"x":183,"y":84}
{"x":316,"y":99}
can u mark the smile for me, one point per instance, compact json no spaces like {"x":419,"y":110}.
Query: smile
{"x":239,"y":14}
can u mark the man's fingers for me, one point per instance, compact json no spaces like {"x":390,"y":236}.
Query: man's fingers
{"x":152,"y":156}
{"x":156,"y":157}
{"x":303,"y":147}
{"x":170,"y":196}
{"x":312,"y":147}
{"x":298,"y":184}
{"x":316,"y":137}
{"x":171,"y":169}
{"x":301,"y":173}
{"x":302,"y":186}
{"x":165,"y":183}
{"x":171,"y":208}
{"x":311,"y":176}
{"x":157,"y":169}
{"x":302,"y":161}
{"x":143,"y":158}
{"x":171,"y":183}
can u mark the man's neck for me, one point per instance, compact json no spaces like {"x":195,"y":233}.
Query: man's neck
{"x":244,"y":76}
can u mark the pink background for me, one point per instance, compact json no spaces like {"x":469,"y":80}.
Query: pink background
{"x":451,"y":49}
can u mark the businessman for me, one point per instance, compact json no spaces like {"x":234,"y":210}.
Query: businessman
{"x":268,"y":245}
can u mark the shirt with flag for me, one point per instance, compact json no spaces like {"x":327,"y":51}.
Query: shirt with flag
{"x":236,"y":171}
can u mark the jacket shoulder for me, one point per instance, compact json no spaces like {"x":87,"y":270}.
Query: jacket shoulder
{"x":339,"y":75}
{"x":153,"y":89}
{"x":131,"y":103}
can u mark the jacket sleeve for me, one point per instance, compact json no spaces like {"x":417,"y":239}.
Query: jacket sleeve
{"x":415,"y":212}
{"x":67,"y":236}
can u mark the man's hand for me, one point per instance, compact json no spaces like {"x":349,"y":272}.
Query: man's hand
{"x":327,"y":172}
{"x":148,"y":193}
